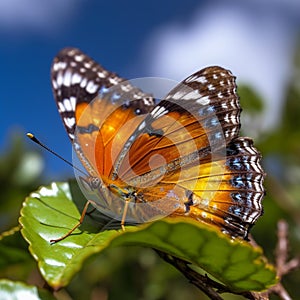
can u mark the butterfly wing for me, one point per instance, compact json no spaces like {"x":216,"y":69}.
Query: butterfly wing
{"x":93,"y":103}
{"x":226,"y":192}
{"x":186,"y":158}
{"x":199,"y":115}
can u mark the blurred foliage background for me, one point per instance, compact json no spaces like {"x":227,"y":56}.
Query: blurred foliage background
{"x":138,"y":273}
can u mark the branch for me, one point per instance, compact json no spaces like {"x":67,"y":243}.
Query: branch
{"x":283,"y":266}
{"x":207,"y":285}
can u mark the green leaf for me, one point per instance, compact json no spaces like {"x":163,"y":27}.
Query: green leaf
{"x":50,"y":212}
{"x":20,"y":291}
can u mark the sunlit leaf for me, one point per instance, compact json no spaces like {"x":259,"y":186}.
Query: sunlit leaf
{"x":50,"y":212}
{"x":21,"y":291}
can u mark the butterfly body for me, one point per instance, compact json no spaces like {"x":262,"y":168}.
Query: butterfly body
{"x":182,"y":156}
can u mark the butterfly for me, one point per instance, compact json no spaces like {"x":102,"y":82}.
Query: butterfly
{"x":180,"y":156}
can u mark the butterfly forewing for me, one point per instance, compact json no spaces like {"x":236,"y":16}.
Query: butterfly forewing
{"x":95,"y":103}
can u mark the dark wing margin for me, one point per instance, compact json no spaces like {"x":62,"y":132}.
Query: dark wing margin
{"x":76,"y":78}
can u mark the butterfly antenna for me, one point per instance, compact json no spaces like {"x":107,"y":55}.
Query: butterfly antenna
{"x":35,"y":140}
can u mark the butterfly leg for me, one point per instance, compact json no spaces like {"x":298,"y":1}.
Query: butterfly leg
{"x":53,"y":241}
{"x":124,"y":214}
{"x":127,"y":196}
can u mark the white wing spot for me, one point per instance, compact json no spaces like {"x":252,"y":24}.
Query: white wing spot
{"x":211,"y":87}
{"x":177,"y":95}
{"x":226,"y":118}
{"x":79,"y":57}
{"x":191,"y":95}
{"x":61,"y":107}
{"x":220,"y":95}
{"x":234,"y":131}
{"x":73,"y":102}
{"x":158,"y":111}
{"x":55,"y":67}
{"x":101,"y":74}
{"x":67,"y":78}
{"x":88,"y":65}
{"x":83,"y":83}
{"x":67,"y":105}
{"x":92,"y":87}
{"x":113,"y":80}
{"x":224,"y":105}
{"x":147,"y":101}
{"x":54,"y":84}
{"x":201,"y":79}
{"x":59,"y":66}
{"x":70,"y":122}
{"x":59,"y":79}
{"x":76,"y":78}
{"x":203,"y":100}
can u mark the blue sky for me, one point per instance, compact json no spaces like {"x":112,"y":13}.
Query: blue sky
{"x":255,"y":39}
